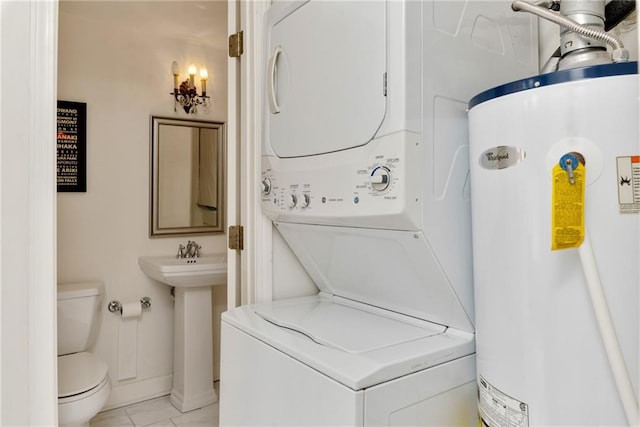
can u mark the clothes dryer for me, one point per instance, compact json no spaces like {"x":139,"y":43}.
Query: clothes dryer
{"x":365,"y":175}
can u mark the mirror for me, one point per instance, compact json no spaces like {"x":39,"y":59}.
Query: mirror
{"x":187,"y":177}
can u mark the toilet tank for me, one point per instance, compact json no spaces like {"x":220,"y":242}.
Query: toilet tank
{"x":78,"y":315}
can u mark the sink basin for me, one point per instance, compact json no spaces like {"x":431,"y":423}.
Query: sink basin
{"x":206,"y":270}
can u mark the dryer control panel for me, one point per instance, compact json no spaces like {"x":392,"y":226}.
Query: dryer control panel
{"x":367,"y":186}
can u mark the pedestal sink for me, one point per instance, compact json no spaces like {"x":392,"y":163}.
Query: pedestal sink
{"x":193,"y":342}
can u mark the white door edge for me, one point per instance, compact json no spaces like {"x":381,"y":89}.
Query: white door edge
{"x":256,"y":271}
{"x":232,"y":202}
{"x":248,"y":271}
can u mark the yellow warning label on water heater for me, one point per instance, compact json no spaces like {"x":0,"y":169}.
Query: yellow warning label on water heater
{"x":567,"y":205}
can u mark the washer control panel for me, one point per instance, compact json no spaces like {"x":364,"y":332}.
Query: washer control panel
{"x":360,"y":184}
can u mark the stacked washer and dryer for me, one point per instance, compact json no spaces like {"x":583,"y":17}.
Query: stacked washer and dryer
{"x":365,"y":173}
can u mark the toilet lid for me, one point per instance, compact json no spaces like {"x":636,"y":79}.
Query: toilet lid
{"x":79,"y":372}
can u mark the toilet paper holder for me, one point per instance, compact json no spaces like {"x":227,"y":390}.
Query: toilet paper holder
{"x":115,"y":306}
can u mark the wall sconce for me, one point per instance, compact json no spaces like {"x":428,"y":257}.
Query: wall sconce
{"x":186,"y":94}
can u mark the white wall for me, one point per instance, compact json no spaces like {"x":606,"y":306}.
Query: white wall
{"x":116,"y":56}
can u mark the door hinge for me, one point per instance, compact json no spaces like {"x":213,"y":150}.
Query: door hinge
{"x":236,"y":237}
{"x":236,"y":45}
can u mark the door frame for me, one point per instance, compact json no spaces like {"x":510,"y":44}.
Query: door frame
{"x":28,"y":345}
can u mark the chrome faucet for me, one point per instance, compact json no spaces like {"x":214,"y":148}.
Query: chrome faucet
{"x":192,"y":250}
{"x":180,"y":253}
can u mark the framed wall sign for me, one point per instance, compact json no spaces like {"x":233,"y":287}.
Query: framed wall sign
{"x":72,"y":146}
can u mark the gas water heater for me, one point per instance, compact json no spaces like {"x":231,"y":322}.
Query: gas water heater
{"x":540,"y":356}
{"x":555,"y":184}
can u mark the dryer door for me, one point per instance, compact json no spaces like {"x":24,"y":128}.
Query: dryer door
{"x":321,"y":96}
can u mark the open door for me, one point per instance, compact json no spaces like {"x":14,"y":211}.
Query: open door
{"x":232,"y":165}
{"x":249,"y":269}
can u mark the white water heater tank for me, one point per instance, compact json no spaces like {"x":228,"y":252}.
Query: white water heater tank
{"x":540,"y":355}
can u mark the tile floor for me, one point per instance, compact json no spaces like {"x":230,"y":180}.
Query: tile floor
{"x":157,"y":412}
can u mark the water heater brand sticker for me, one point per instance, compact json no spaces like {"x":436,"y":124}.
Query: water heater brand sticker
{"x":501,"y":157}
{"x":498,"y":409}
{"x":629,"y":184}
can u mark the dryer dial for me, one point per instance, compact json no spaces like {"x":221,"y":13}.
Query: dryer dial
{"x":266,"y":186}
{"x":380,"y":178}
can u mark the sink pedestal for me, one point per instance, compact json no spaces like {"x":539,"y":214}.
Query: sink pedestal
{"x":192,"y":279}
{"x":193,"y":349}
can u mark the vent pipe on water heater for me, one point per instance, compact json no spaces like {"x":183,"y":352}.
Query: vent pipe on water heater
{"x":583,"y":40}
{"x":615,"y":12}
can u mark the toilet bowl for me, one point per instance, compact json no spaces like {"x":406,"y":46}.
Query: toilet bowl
{"x":83,"y":379}
{"x":83,"y":388}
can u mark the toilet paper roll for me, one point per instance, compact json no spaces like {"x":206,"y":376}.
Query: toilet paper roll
{"x":128,"y":340}
{"x":131,"y":309}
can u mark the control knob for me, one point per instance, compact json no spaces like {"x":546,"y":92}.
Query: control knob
{"x":293,"y":200}
{"x":266,"y":186}
{"x":304,"y":202}
{"x":380,"y":178}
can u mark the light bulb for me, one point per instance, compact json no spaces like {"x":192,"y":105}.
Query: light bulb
{"x":175,"y":70}
{"x":192,"y":74}
{"x":203,"y":80}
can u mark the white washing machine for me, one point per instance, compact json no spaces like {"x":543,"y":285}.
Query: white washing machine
{"x":365,"y":175}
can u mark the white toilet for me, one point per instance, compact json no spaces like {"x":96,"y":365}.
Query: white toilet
{"x":83,"y":380}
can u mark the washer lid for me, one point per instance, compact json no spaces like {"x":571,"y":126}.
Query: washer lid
{"x":79,"y":372}
{"x":343,"y":327}
{"x":391,"y":269}
{"x":357,"y":345}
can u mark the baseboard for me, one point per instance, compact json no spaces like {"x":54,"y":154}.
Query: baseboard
{"x":139,"y":391}
{"x":204,"y":398}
